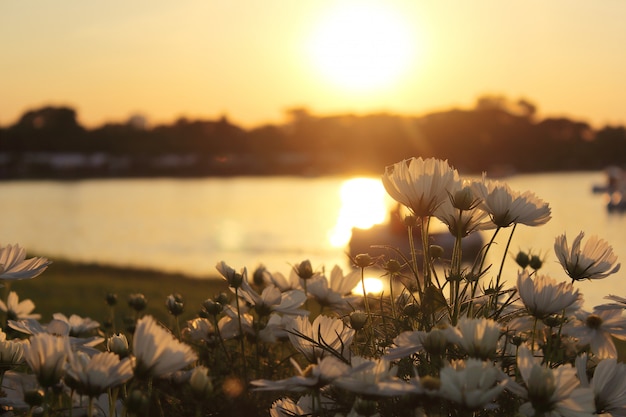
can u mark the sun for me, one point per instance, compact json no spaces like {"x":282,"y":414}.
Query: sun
{"x":363,"y":46}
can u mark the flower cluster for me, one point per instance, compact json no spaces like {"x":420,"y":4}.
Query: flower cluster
{"x":449,"y":337}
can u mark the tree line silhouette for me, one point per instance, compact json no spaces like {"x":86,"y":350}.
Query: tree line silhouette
{"x":496,"y":136}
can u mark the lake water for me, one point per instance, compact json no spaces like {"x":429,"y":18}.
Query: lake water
{"x":188,"y":225}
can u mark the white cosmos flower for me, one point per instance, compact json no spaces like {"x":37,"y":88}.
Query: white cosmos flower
{"x":420,"y":184}
{"x":478,"y":337}
{"x":272,"y":299}
{"x":608,"y":385}
{"x":18,"y":310}
{"x":46,"y":355}
{"x":542,"y":296}
{"x":78,"y":325}
{"x":597,"y":329}
{"x":595,"y":260}
{"x":619,"y":302}
{"x":156,"y":351}
{"x":373,"y":377}
{"x":552,"y":392}
{"x":407,"y":343}
{"x":473,"y":384}
{"x":11,"y":352}
{"x":15,"y":266}
{"x":462,"y":222}
{"x":286,"y":407}
{"x":94,"y":375}
{"x":200,"y":329}
{"x":318,"y":339}
{"x":507,"y":207}
{"x":317,"y":376}
{"x":336,"y":292}
{"x":229,"y":324}
{"x":293,"y":282}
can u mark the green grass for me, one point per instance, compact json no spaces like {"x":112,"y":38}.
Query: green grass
{"x":72,"y":288}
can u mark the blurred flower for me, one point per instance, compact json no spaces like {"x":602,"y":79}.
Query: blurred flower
{"x":608,"y":385}
{"x":620,"y":302}
{"x":201,"y":330}
{"x":277,"y":279}
{"x":200,"y":382}
{"x":420,"y":184}
{"x":78,"y":325}
{"x":15,"y":386}
{"x":373,"y":377}
{"x":472,"y":384}
{"x":92,"y":376}
{"x":233,"y":277}
{"x":552,"y":392}
{"x":507,"y":207}
{"x":597,"y":329}
{"x":595,"y":261}
{"x":407,"y":343}
{"x":274,"y":328}
{"x":157,"y":352}
{"x":316,"y":340}
{"x":175,"y":304}
{"x":46,"y":355}
{"x":286,"y":407}
{"x":316,"y":376}
{"x":16,"y":310}
{"x":477,"y":337}
{"x":14,"y":265}
{"x":542,"y":296}
{"x":11,"y":353}
{"x":229,"y":324}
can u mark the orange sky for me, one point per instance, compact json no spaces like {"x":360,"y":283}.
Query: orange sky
{"x":252,"y":60}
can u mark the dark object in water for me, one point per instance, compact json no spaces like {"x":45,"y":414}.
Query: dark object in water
{"x":384,"y":240}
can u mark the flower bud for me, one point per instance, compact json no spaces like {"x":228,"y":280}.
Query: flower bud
{"x":463,"y":199}
{"x":304,"y":269}
{"x":221,"y":298}
{"x":137,"y":302}
{"x":174,"y":304}
{"x":393,"y":266}
{"x":358,"y":319}
{"x":200,"y":382}
{"x":137,"y":401}
{"x":522,"y":259}
{"x":436,"y":251}
{"x":411,"y":309}
{"x":212,"y":307}
{"x":535,"y":262}
{"x":34,"y":397}
{"x":363,"y":260}
{"x":111,"y":299}
{"x":257,"y":276}
{"x":118,"y":344}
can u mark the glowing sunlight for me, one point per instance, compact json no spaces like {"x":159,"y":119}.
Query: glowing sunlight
{"x":362,"y":46}
{"x":362,"y":205}
{"x":373,"y":285}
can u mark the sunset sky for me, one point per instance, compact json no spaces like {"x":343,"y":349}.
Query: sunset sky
{"x":253,"y":60}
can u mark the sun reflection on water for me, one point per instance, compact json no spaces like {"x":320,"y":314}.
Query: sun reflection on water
{"x":362,"y":205}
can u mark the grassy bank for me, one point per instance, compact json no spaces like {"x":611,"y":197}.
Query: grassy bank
{"x":73,"y":288}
